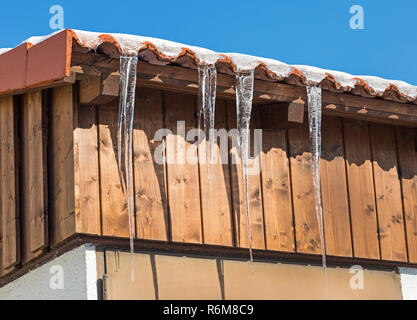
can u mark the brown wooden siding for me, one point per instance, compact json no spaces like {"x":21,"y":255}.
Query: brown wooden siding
{"x":9,"y":195}
{"x":60,"y":176}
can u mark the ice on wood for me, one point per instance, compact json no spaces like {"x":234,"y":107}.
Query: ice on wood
{"x":128,"y":71}
{"x":315,"y":120}
{"x":207,"y":76}
{"x":244,"y":97}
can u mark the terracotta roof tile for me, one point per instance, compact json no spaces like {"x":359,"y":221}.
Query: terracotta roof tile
{"x":52,"y":55}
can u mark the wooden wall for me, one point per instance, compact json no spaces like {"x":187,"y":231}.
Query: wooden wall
{"x":59,"y":176}
{"x":368,"y":190}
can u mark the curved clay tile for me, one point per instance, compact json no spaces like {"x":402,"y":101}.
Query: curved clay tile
{"x":109,"y":46}
{"x":329,"y":83}
{"x":187,"y":58}
{"x":362,"y":89}
{"x":296,"y":77}
{"x":225,"y":65}
{"x":394,"y":94}
{"x":262,"y":72}
{"x":150,"y":53}
{"x":163,"y":52}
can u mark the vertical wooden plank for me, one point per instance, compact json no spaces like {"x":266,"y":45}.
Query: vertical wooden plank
{"x":149,"y":176}
{"x":305,"y":218}
{"x":8,"y":173}
{"x":334,"y":190}
{"x":388,"y":193}
{"x":215,"y":185}
{"x":62,"y":163}
{"x":115,"y":219}
{"x":254,"y":190}
{"x":86,"y":166}
{"x":33,"y":165}
{"x":183,"y":179}
{"x":361,"y":189}
{"x":276,"y":192}
{"x":407,"y":156}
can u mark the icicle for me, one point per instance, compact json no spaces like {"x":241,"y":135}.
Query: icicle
{"x":128,"y":70}
{"x":314,"y":119}
{"x":212,"y":109}
{"x":202,"y":92}
{"x":207,"y":105}
{"x":244,"y":96}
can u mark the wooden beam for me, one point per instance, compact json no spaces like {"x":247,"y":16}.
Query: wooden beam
{"x":99,"y":90}
{"x":86,"y":170}
{"x":63,"y":220}
{"x":114,"y":213}
{"x":282,"y":115}
{"x":334,"y":188}
{"x":182,"y":177}
{"x":185,"y":80}
{"x":34,"y":202}
{"x":57,"y":83}
{"x":296,"y":111}
{"x":9,"y":202}
{"x":276,"y":192}
{"x":407,"y":161}
{"x":361,"y":189}
{"x":256,"y":219}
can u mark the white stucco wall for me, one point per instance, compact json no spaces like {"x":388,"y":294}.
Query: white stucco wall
{"x":408,"y":283}
{"x":71,"y":276}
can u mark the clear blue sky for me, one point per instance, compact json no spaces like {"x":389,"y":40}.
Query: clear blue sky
{"x":294,"y":31}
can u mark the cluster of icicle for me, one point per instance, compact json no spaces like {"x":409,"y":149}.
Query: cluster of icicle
{"x":314,"y":120}
{"x":207,"y":103}
{"x":207,"y":107}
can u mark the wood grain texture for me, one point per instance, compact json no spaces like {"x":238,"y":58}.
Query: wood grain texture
{"x":149,"y":176}
{"x":183,"y":176}
{"x":34,"y":205}
{"x":388,"y":193}
{"x":62,"y":162}
{"x":216,"y":198}
{"x":180,"y":79}
{"x":334,"y":190}
{"x":407,"y":156}
{"x":276,"y":192}
{"x":87,"y":182}
{"x":238,"y":189}
{"x":9,"y":211}
{"x":114,"y":211}
{"x":306,"y":227}
{"x":361,"y":189}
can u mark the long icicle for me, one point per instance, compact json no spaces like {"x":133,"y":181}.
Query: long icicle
{"x":207,"y":107}
{"x":202,"y":85}
{"x":244,"y":97}
{"x":128,"y":71}
{"x":314,"y":118}
{"x":212,"y":109}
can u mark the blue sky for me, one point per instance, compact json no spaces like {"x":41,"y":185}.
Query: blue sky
{"x":297,"y":32}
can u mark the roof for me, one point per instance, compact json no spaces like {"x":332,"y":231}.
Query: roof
{"x":40,"y":60}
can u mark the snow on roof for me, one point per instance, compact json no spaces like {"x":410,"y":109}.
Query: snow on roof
{"x":274,"y":70}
